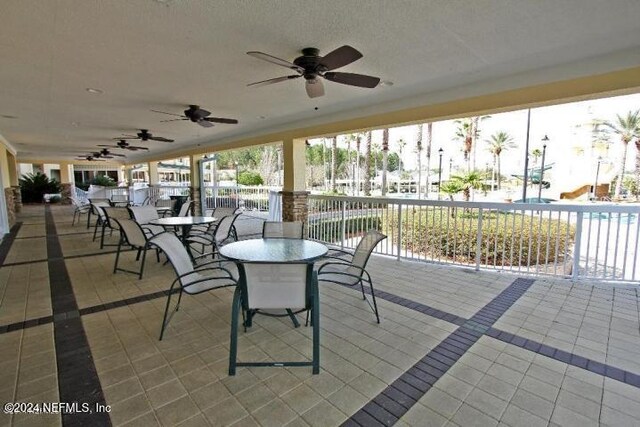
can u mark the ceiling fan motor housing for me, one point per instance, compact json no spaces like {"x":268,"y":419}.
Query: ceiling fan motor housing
{"x":310,"y":61}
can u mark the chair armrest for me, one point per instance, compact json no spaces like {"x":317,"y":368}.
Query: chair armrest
{"x":342,"y":273}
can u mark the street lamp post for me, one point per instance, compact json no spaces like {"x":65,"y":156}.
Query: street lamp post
{"x":440,"y":152}
{"x":595,"y":185}
{"x":544,"y":151}
{"x":237,"y":173}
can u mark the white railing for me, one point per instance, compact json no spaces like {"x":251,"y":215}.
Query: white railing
{"x":250,"y":198}
{"x":81,"y":195}
{"x":598,"y":241}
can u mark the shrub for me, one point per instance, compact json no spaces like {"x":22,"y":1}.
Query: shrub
{"x":328,"y":230}
{"x":250,"y":178}
{"x":35,"y":185}
{"x":507,"y":238}
{"x":103,"y":180}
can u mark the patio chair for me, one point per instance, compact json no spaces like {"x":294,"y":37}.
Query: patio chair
{"x":216,"y":235}
{"x":275,"y":286}
{"x":81,"y":208}
{"x":132,"y":234}
{"x":109,"y":213}
{"x":186,"y":209}
{"x":191,"y":279}
{"x":144,"y":214}
{"x":97,"y":202}
{"x":218,"y":213}
{"x":283,"y":230}
{"x":348,"y":269}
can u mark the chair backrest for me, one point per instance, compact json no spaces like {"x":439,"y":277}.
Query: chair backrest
{"x":286,"y":230}
{"x":100,"y":202}
{"x":79,"y":203}
{"x":175,"y":251}
{"x":131,"y":231}
{"x":221,"y":212}
{"x":97,"y":209}
{"x":365,"y":247}
{"x":224,"y":228}
{"x":143,"y":214}
{"x":115,"y":213}
{"x":276,"y":285}
{"x":186,"y":208}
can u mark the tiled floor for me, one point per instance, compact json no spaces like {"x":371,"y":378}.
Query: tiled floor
{"x":408,"y":370}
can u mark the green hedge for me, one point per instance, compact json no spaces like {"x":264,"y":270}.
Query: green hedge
{"x":326,"y":230}
{"x":432,"y":233}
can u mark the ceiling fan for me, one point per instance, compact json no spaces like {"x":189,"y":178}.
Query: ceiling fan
{"x":199,"y":116}
{"x":123,"y":144}
{"x":108,"y":154}
{"x":144,"y":135}
{"x":311,"y":66}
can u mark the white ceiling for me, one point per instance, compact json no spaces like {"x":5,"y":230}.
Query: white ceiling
{"x":150,"y":54}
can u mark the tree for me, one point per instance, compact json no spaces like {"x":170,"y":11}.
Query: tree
{"x":468,"y":132}
{"x":419,"y":152}
{"x":334,"y":149}
{"x":536,"y":153}
{"x":628,"y":128}
{"x":385,"y":159}
{"x":367,"y":165}
{"x":499,"y":142}
{"x":470,"y":180}
{"x":451,"y":188}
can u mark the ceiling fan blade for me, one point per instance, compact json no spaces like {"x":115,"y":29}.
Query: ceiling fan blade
{"x":340,"y":57}
{"x":352,"y":79}
{"x":221,"y":120}
{"x":116,"y":155}
{"x":161,"y":139}
{"x":108,"y":146}
{"x":274,"y":60}
{"x":205,"y":123}
{"x":276,"y":80}
{"x":202,"y":113}
{"x":173,"y":120}
{"x":124,"y":136}
{"x":134,"y":148}
{"x":315,"y":88}
{"x":164,"y":112}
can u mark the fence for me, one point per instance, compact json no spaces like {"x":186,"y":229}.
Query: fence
{"x":579,"y":241}
{"x":249,"y":198}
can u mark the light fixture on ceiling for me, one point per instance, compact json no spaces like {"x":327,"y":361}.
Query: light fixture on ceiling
{"x":95,"y":91}
{"x":8,"y":116}
{"x":385,"y":83}
{"x":262,"y":117}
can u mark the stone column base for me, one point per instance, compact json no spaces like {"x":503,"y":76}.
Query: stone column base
{"x":17,"y":198}
{"x":11,"y":206}
{"x":295,"y":206}
{"x":66,"y":193}
{"x":194,"y":192}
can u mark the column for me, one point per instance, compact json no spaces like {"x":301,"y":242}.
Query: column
{"x":14,"y":177}
{"x":295,"y":198}
{"x":194,"y":187}
{"x":67,"y":182}
{"x":153,"y":173}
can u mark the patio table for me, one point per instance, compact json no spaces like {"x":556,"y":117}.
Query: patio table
{"x":185,"y":222}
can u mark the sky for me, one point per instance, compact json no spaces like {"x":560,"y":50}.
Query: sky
{"x":566,"y":125}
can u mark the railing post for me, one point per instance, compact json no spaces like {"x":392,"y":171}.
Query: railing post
{"x":344,"y":224}
{"x":576,"y":247}
{"x":399,"y":246}
{"x":479,"y":240}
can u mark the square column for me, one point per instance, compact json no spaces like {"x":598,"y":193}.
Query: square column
{"x":295,"y":197}
{"x":153,"y":173}
{"x":67,"y":182}
{"x":194,"y":188}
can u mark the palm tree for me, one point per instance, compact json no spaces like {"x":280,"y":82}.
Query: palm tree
{"x":385,"y":159}
{"x":499,"y":142}
{"x":451,"y":188}
{"x":428,"y":153}
{"x":419,"y":151}
{"x":536,"y":153}
{"x":468,"y":132}
{"x":468,"y":181}
{"x":628,"y":128}
{"x":367,"y":165}
{"x":334,"y":151}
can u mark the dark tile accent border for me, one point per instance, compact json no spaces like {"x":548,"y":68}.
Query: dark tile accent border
{"x":77,"y":375}
{"x":82,"y":312}
{"x":7,"y":241}
{"x":35,"y":261}
{"x":394,"y":401}
{"x":566,"y":357}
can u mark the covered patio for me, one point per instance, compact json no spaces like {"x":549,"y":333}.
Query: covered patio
{"x":454,"y":347}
